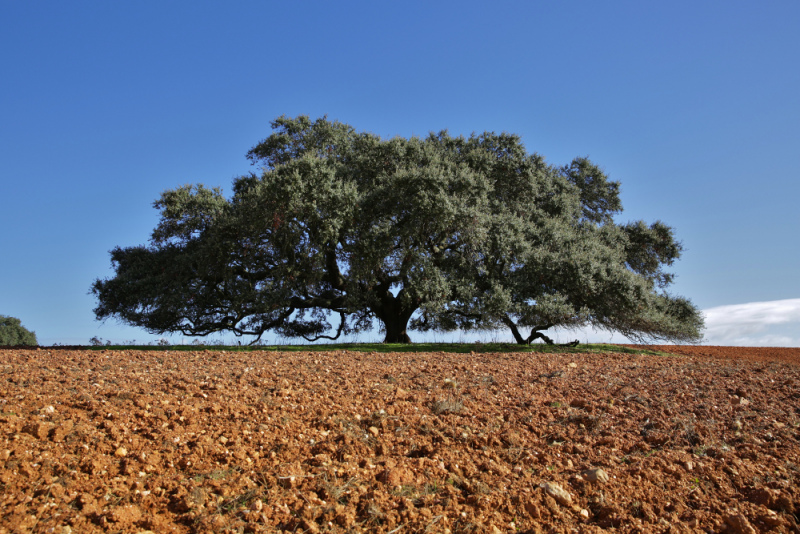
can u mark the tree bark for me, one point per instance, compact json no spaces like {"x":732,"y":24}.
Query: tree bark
{"x":396,"y":330}
{"x":394,"y":317}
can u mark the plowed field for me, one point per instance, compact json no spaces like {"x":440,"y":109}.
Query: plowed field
{"x":128,"y":441}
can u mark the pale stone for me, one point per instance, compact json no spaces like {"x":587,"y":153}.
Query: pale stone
{"x":561,"y":495}
{"x":596,"y":475}
{"x":121,"y":452}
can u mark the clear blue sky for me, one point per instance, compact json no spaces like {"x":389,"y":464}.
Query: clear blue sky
{"x":693,"y":106}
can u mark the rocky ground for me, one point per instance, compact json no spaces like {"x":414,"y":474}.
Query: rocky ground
{"x":126,"y":441}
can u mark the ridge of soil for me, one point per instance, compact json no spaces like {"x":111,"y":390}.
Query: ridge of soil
{"x":138,"y":441}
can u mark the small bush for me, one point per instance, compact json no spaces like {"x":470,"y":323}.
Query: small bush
{"x":12,"y":333}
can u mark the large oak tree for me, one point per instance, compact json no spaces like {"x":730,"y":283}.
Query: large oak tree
{"x":339,"y":228}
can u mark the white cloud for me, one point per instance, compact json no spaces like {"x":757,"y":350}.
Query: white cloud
{"x":756,"y":324}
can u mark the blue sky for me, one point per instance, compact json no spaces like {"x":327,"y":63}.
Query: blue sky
{"x":692,"y":106}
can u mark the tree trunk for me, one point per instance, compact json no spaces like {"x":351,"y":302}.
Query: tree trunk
{"x":394,"y":317}
{"x":396,"y":330}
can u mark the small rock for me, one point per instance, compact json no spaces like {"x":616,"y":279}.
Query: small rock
{"x":374,"y":431}
{"x":60,"y":431}
{"x":584,"y":513}
{"x":688,"y":465}
{"x":738,"y":524}
{"x":561,"y":495}
{"x":223,"y":440}
{"x":287,"y":482}
{"x":771,"y":519}
{"x":38,"y":430}
{"x":121,"y":452}
{"x":573,"y":365}
{"x":125,"y":514}
{"x":533,"y":510}
{"x":396,"y":476}
{"x":763,"y":496}
{"x":257,"y":505}
{"x":596,"y":475}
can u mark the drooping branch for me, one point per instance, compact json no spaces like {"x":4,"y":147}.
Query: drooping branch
{"x":332,"y":338}
{"x":194,"y":330}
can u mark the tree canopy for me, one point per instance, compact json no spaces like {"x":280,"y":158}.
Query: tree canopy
{"x":338,"y":229}
{"x":13,"y":334}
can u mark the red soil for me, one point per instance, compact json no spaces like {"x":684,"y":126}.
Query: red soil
{"x":130,"y":441}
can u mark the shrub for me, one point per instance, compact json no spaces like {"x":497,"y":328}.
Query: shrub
{"x":12,"y":333}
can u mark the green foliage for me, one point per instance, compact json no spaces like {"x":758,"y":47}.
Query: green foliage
{"x":433,"y":233}
{"x":12,"y":333}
